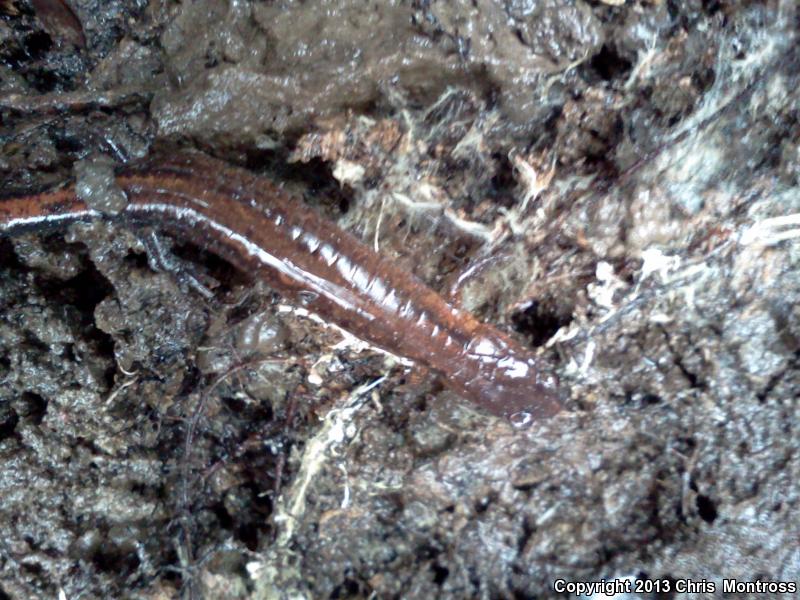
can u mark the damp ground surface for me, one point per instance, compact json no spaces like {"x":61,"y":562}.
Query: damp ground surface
{"x":617,"y":185}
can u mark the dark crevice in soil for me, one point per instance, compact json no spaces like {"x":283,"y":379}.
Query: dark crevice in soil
{"x":609,"y":65}
{"x":8,"y":423}
{"x":35,"y":407}
{"x":706,"y":508}
{"x":537,"y":323}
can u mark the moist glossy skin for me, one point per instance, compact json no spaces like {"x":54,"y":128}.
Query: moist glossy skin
{"x":256,"y":226}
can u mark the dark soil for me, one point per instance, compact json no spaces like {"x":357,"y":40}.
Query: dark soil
{"x":617,"y":185}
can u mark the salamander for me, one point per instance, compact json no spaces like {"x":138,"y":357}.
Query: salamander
{"x":258,"y":227}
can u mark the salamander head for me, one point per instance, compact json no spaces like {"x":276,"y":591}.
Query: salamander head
{"x":508,"y":381}
{"x":522,"y":400}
